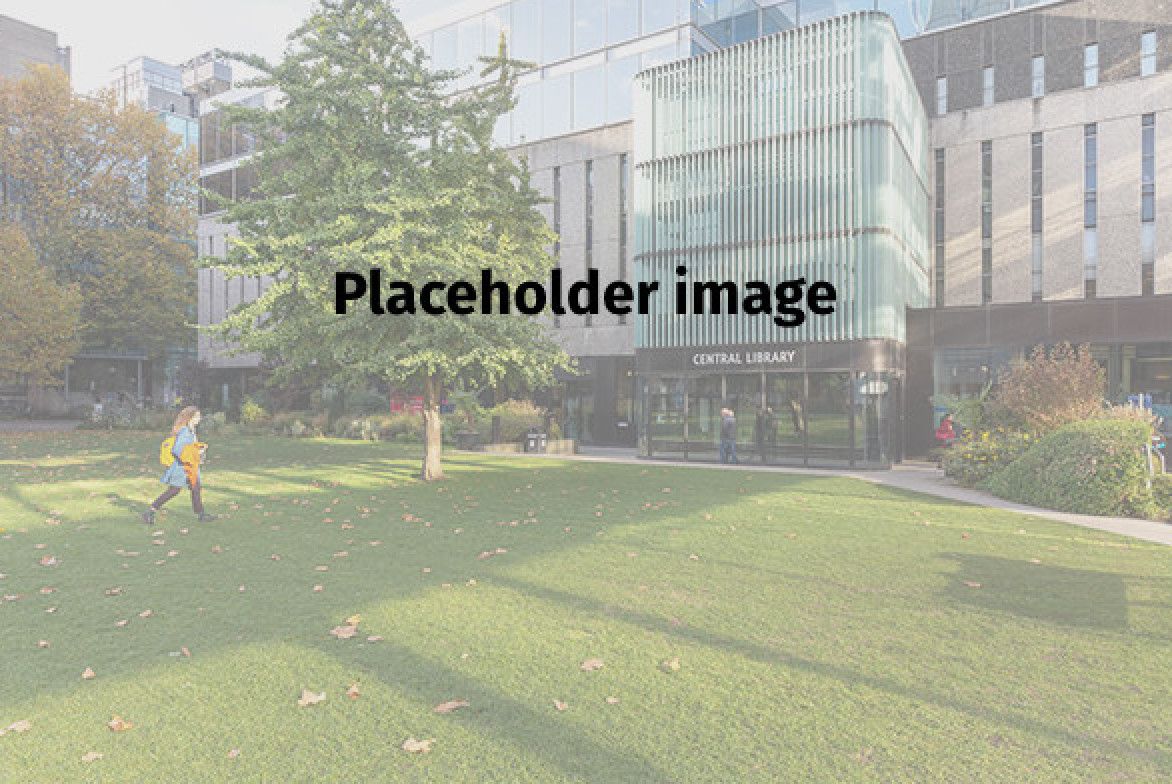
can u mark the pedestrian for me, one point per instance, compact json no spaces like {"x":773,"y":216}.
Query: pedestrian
{"x":728,"y":436}
{"x":186,"y":452}
{"x":946,"y":433}
{"x":761,"y":430}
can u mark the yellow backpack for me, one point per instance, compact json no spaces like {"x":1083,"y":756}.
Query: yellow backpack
{"x":166,"y":451}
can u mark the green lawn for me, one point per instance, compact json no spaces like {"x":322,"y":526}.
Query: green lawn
{"x":825,"y":629}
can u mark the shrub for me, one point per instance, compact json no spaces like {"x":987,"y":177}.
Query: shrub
{"x":517,"y":416}
{"x":364,"y":402}
{"x":1162,"y":496}
{"x":1092,"y":467}
{"x":1051,"y":389}
{"x":974,"y":457}
{"x":252,"y":413}
{"x":299,"y":423}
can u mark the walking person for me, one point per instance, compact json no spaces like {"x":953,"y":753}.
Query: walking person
{"x":728,"y":436}
{"x":761,"y":429}
{"x":186,"y":452}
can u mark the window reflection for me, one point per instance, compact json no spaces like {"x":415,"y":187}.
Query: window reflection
{"x":620,"y":80}
{"x":589,"y":98}
{"x":557,"y":30}
{"x":589,"y":26}
{"x":558,"y":106}
{"x":622,"y":20}
{"x":527,"y":30}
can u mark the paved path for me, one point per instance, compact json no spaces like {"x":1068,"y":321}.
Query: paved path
{"x":37,"y":425}
{"x":915,"y":477}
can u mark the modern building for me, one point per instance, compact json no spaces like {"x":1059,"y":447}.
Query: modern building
{"x":23,"y":45}
{"x":976,"y":177}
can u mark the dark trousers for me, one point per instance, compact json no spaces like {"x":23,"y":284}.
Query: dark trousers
{"x":172,"y":491}
{"x":728,"y":450}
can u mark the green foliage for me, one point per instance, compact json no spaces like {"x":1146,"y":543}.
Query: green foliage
{"x":975,"y":456}
{"x":1162,"y":496}
{"x":388,"y":169}
{"x":1093,"y":467}
{"x":1051,"y":389}
{"x":517,"y":416}
{"x":253,"y":413}
{"x":968,"y":413}
{"x":127,"y":418}
{"x":364,"y":401}
{"x":300,"y":424}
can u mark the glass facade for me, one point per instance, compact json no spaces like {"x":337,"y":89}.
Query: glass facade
{"x":815,"y":165}
{"x":799,"y":155}
{"x":611,"y":40}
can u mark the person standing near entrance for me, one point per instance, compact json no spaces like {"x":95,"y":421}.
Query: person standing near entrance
{"x":728,"y":436}
{"x":765,"y":431}
{"x":187,"y":452}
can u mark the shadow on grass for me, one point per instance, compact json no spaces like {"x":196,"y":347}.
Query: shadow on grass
{"x":765,"y":655}
{"x":1054,"y":594}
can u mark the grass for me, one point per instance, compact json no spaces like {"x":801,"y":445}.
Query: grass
{"x":826,"y":629}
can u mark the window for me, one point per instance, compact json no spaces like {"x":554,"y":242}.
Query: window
{"x":1038,"y":76}
{"x":589,"y":216}
{"x":526,"y":30}
{"x":987,"y":86}
{"x":941,"y":96}
{"x":1090,"y":242}
{"x":589,"y":26}
{"x":624,"y":217}
{"x":939,"y":221}
{"x":557,"y":30}
{"x":620,"y":78}
{"x":1037,"y":246}
{"x":557,"y":105}
{"x":622,"y":20}
{"x":1147,"y":190}
{"x":1090,"y":65}
{"x":589,"y":97}
{"x":658,"y":15}
{"x":557,"y":225}
{"x":1147,"y":53}
{"x":986,"y":222}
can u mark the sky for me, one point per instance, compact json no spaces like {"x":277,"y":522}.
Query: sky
{"x":107,"y":33}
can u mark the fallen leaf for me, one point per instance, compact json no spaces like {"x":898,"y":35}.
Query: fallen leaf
{"x":233,"y":753}
{"x":88,"y":674}
{"x":374,"y":638}
{"x":113,"y":591}
{"x":145,"y":614}
{"x":561,"y":706}
{"x":354,"y":620}
{"x":42,"y":644}
{"x":418,"y":746}
{"x":119,"y":724}
{"x":450,"y":706}
{"x":185,"y":651}
{"x":121,"y":623}
{"x":344,"y":632}
{"x":92,"y":756}
{"x":590,"y":665}
{"x":670,"y":665}
{"x":24,"y":725}
{"x":353,"y":692}
{"x":612,"y":700}
{"x":318,"y":588}
{"x":308,"y":698}
{"x":972,"y":584}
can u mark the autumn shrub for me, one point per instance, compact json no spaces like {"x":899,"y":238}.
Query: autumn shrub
{"x":1162,"y":496}
{"x":252,"y":413}
{"x":517,"y":417}
{"x":299,"y":424}
{"x":1092,"y":467}
{"x":1050,"y":389}
{"x":975,"y":456}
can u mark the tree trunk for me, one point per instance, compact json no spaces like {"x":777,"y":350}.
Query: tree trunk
{"x":433,"y":441}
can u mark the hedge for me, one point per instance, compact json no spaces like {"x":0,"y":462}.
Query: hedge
{"x":1093,"y":467}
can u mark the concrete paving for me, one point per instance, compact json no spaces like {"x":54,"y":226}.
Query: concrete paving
{"x":916,"y":477}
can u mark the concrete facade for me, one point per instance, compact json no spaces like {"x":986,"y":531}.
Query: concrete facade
{"x":23,"y":44}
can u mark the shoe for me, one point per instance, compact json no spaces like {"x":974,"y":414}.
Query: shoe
{"x":148,"y":516}
{"x":207,"y":517}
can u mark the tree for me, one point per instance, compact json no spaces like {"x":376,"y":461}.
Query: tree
{"x":1051,"y":389}
{"x":369,"y":162}
{"x":38,"y":319}
{"x":105,"y":196}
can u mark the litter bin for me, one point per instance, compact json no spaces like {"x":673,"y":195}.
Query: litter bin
{"x":535,"y":440}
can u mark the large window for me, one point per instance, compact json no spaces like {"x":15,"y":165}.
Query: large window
{"x":1038,"y":76}
{"x":1090,"y":209}
{"x":557,"y":108}
{"x":589,"y":97}
{"x":557,"y":30}
{"x":622,"y":20}
{"x":1147,"y":233}
{"x":1147,"y":53}
{"x":527,"y":30}
{"x":939,"y":227}
{"x":1036,"y":244}
{"x":986,"y":221}
{"x":659,"y":15}
{"x":589,"y":26}
{"x":620,"y":79}
{"x":987,"y":75}
{"x":1090,"y":65}
{"x":528,"y":113}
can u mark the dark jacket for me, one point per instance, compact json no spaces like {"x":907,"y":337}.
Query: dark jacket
{"x":728,"y":428}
